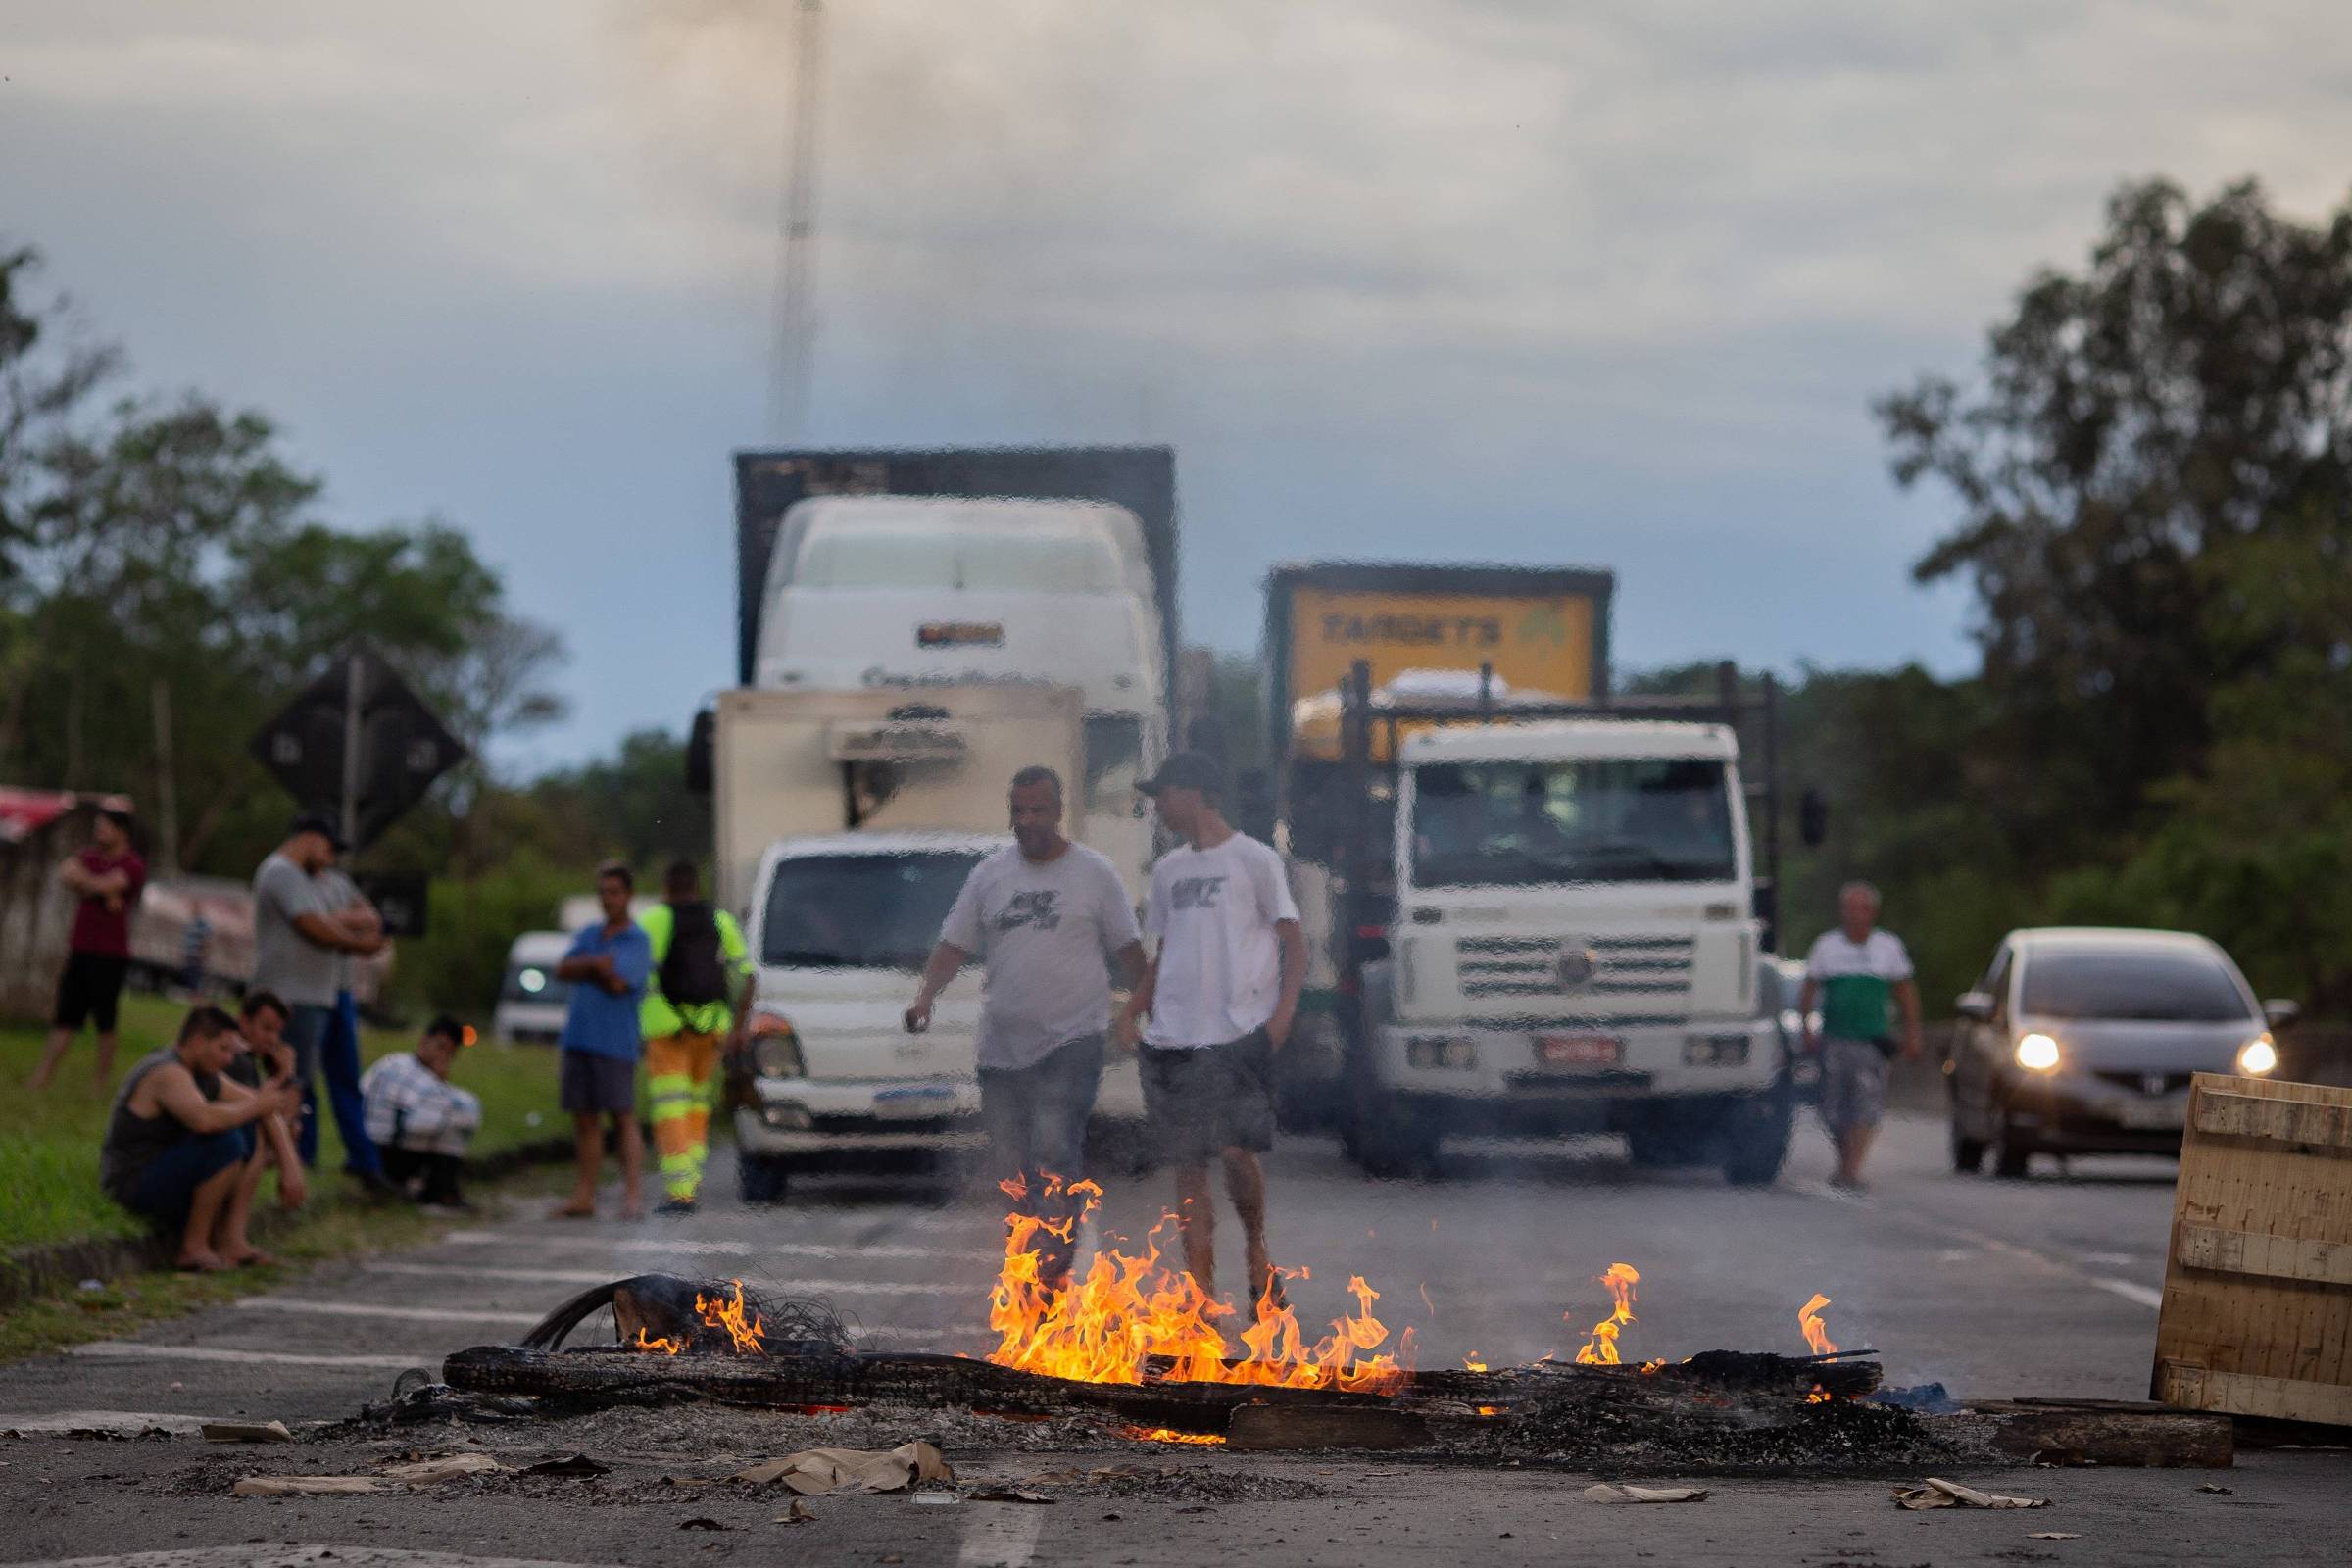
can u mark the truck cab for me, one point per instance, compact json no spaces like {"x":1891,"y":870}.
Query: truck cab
{"x":1574,"y":947}
{"x":838,"y":926}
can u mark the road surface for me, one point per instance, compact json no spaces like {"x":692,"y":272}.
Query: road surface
{"x":2044,"y":1287}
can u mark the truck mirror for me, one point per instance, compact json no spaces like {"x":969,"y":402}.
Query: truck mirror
{"x":698,"y":747}
{"x":1812,"y":819}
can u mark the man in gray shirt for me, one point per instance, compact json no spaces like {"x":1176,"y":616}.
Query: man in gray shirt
{"x":1050,"y":919}
{"x":299,"y":932}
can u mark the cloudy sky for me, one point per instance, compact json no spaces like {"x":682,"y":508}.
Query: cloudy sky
{"x":1531,"y":280}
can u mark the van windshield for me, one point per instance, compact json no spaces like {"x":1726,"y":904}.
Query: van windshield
{"x":862,"y":912}
{"x":2156,"y":987}
{"x":1518,"y":823}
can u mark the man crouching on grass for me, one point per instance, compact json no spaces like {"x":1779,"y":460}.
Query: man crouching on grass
{"x":180,"y":1145}
{"x":1221,"y":993}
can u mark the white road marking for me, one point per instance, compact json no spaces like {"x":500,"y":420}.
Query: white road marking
{"x":141,"y":1351}
{"x":655,"y":1244}
{"x":129,"y":1423}
{"x":291,"y":1556}
{"x":583,"y":1276}
{"x":2110,"y":1260}
{"x":2130,"y":1290}
{"x":409,"y":1315}
{"x":1000,"y":1535}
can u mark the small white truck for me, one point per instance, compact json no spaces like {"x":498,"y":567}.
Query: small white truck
{"x":1575,"y":944}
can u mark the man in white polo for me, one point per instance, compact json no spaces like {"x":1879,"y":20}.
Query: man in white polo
{"x":1855,"y":972}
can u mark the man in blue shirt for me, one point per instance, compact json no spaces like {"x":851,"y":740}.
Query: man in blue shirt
{"x":607,"y":966}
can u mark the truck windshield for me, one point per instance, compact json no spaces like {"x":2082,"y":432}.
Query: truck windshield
{"x":1517,"y":824}
{"x":860,"y":911}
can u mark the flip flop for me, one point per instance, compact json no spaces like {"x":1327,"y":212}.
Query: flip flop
{"x":257,"y":1258}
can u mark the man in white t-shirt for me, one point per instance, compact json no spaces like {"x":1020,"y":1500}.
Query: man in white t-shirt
{"x":1221,"y":993}
{"x":1051,"y":919}
{"x":1857,"y":972}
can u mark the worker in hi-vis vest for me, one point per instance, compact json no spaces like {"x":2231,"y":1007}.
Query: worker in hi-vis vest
{"x":689,"y":1012}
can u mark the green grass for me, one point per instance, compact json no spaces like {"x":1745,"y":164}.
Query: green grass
{"x":49,"y":1142}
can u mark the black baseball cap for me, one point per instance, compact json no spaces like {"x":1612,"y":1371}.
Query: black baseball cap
{"x":1187,"y":771}
{"x":321,"y":823}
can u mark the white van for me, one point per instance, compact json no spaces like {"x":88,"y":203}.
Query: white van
{"x":911,"y":592}
{"x":530,"y":999}
{"x":839,"y":927}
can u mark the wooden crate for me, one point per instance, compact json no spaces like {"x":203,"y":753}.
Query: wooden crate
{"x":2257,"y":1314}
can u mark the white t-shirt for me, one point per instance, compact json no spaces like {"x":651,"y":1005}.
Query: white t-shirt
{"x":1213,"y":913}
{"x":1047,"y":934}
{"x":1857,"y":981}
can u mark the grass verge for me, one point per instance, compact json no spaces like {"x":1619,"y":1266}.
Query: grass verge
{"x":49,"y":1142}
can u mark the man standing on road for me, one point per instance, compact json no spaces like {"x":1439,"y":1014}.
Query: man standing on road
{"x":299,"y":930}
{"x":607,"y":966}
{"x":1855,"y":971}
{"x":1221,"y":993}
{"x":108,"y":877}
{"x":1051,"y":920}
{"x":695,"y":951}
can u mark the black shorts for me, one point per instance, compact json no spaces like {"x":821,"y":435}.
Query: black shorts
{"x":89,"y":991}
{"x":1207,"y":1099}
{"x":599,"y":1086}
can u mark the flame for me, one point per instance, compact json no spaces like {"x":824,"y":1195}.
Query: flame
{"x":646,"y":1342}
{"x":1602,"y":1348}
{"x":1130,"y":1309}
{"x":728,"y":1313}
{"x":1171,"y":1435}
{"x":1819,"y":1396}
{"x":1817,"y":1332}
{"x":1472,"y":1363}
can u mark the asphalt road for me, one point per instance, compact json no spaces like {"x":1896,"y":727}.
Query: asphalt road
{"x":2044,"y":1287}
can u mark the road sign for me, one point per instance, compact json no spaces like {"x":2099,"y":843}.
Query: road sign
{"x":358,"y":744}
{"x":400,"y":898}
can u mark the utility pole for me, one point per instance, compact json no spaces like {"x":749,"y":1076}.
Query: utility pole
{"x":796,"y":286}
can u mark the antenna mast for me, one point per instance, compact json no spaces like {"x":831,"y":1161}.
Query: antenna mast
{"x":796,"y":286}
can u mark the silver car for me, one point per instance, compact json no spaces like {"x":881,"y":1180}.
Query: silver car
{"x":2083,"y":1041}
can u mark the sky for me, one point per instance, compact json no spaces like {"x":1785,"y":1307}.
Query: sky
{"x":1536,"y":282}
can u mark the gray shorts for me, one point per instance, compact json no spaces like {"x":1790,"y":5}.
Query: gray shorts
{"x":1207,"y":1099}
{"x":599,"y":1086}
{"x":1853,"y":1083}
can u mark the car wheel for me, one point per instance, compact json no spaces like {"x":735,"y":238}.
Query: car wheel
{"x":2009,"y":1156}
{"x":760,"y":1177}
{"x":1967,"y":1153}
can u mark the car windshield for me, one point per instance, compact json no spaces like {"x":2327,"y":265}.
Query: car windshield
{"x":2166,"y":987}
{"x":534,"y":983}
{"x":860,"y":911}
{"x":1515,"y":823}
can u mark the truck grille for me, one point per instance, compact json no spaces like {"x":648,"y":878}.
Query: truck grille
{"x":1655,"y":967}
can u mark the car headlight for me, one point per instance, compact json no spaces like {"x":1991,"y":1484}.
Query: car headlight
{"x":775,"y":1048}
{"x":2259,"y":1057}
{"x":2037,"y":1053}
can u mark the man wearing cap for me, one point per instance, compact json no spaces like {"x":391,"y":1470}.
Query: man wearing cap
{"x":107,"y":876}
{"x":298,"y":933}
{"x":1221,"y":992}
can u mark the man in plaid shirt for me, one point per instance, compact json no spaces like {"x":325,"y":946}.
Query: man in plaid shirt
{"x":419,"y":1119}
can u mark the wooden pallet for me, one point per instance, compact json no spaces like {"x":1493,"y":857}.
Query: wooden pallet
{"x":2257,"y":1317}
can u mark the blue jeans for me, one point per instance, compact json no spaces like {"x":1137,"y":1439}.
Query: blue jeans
{"x":167,"y":1187}
{"x":1035,"y":1119}
{"x":328,"y":1038}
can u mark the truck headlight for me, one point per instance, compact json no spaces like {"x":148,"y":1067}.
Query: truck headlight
{"x":775,"y":1048}
{"x":2259,"y":1057}
{"x":2037,"y":1052}
{"x":1429,"y":1051}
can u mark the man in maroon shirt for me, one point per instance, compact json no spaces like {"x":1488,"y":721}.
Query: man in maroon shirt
{"x":108,"y":876}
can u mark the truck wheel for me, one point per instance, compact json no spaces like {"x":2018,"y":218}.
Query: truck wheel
{"x":1387,"y":1138}
{"x":762,"y":1177}
{"x":1119,"y":1149}
{"x":1756,"y":1138}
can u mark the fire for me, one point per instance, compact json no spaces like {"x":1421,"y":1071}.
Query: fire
{"x":1819,"y":1396}
{"x":646,"y":1342}
{"x":1602,"y":1348}
{"x":728,"y":1313}
{"x":1817,"y":1332}
{"x":1129,"y":1310}
{"x":1472,"y":1363}
{"x":1171,"y":1435}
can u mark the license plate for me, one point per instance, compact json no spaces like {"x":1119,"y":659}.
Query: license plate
{"x":1579,"y":1051}
{"x":2153,"y":1118}
{"x":913,"y":1100}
